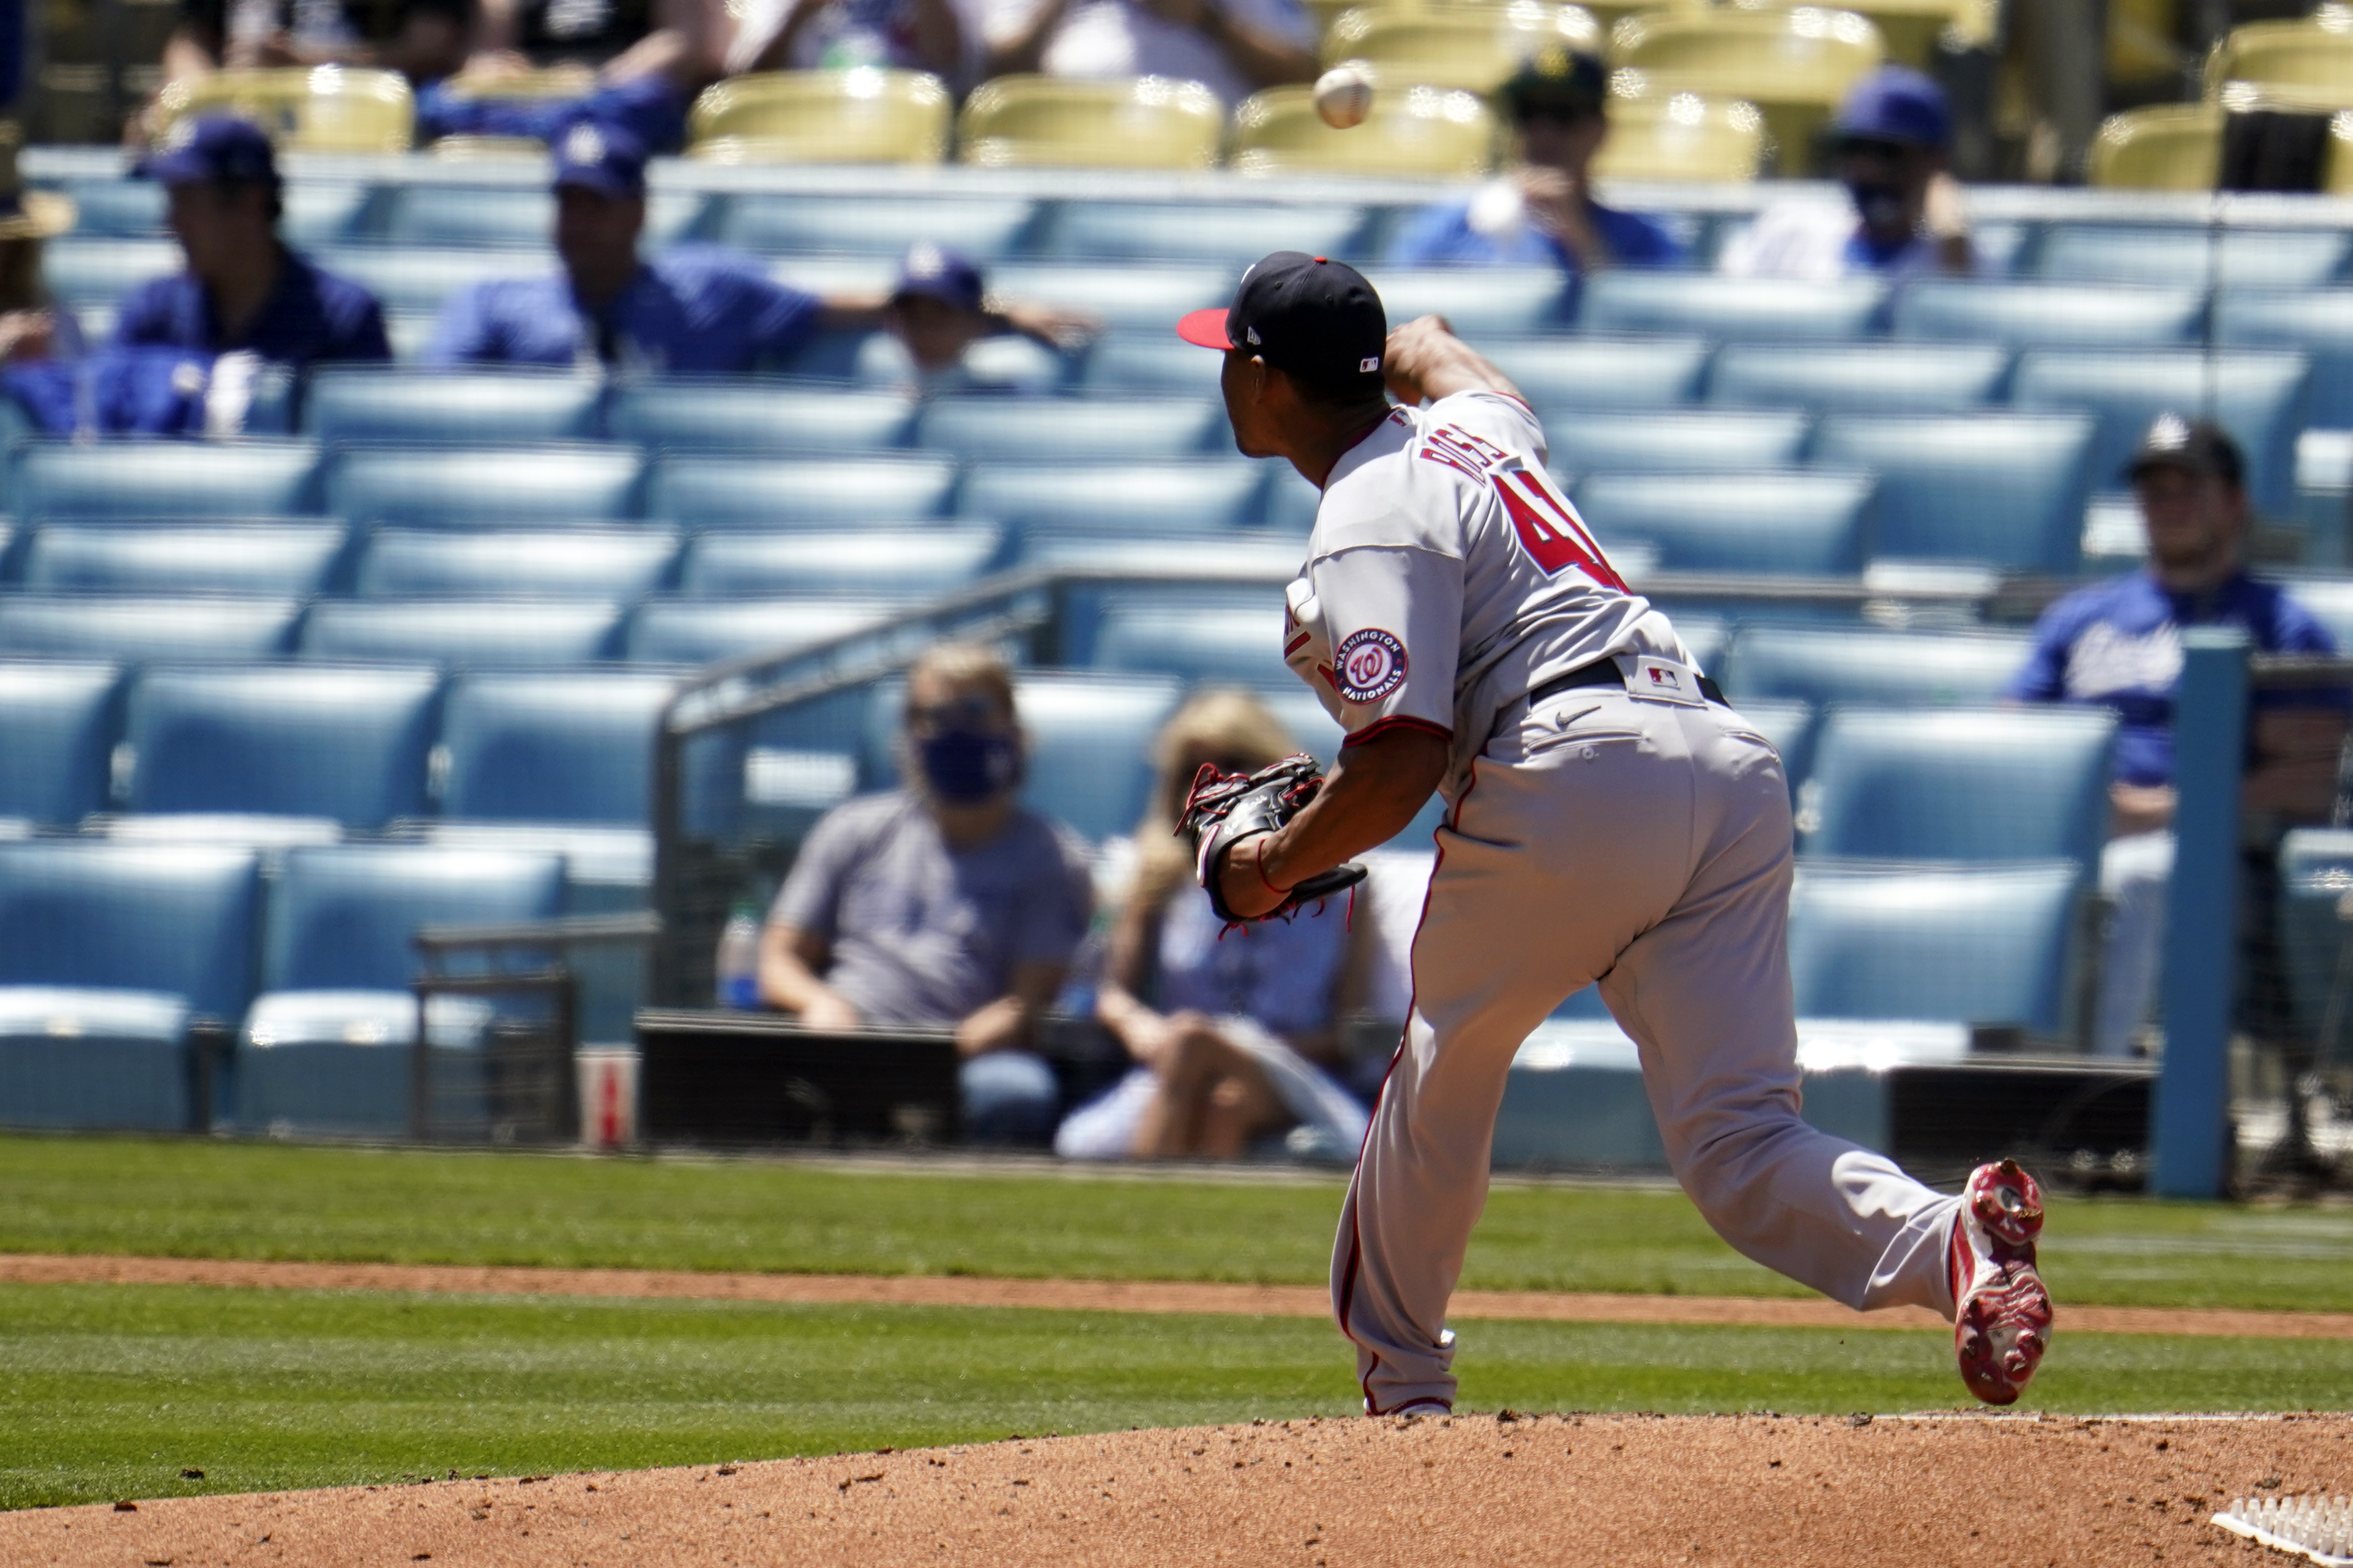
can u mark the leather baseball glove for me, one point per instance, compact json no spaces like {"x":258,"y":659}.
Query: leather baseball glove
{"x":1226,"y":808}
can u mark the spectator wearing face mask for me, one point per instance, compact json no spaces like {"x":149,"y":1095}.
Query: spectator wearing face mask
{"x":1904,"y":217}
{"x":943,"y":904}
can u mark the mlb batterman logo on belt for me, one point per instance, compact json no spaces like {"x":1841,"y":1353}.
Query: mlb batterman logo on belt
{"x":1372,"y":665}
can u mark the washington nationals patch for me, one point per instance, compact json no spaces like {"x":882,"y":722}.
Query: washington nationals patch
{"x":1372,"y":665}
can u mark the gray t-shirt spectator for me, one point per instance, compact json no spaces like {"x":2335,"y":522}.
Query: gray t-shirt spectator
{"x":922,"y":933}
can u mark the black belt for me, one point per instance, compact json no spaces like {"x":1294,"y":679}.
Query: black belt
{"x":1605,"y":672}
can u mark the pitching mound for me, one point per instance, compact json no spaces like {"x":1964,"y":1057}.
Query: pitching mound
{"x":1600,"y":1490}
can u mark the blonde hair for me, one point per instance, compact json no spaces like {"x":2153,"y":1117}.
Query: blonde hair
{"x":965,"y":667}
{"x":1233,"y":727}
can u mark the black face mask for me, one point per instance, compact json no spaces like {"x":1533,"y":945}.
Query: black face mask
{"x":968,"y":767}
{"x":1880,"y":203}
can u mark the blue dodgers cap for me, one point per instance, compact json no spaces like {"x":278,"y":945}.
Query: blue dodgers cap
{"x":1308,"y":316}
{"x":593,"y":155}
{"x":209,"y":148}
{"x":935,"y":272}
{"x":1895,"y":103}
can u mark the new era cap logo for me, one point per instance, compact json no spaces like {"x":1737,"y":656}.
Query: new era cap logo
{"x":1251,"y":333}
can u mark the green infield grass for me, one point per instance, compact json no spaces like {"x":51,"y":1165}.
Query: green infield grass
{"x":201,"y":1199}
{"x":114,"y":1391}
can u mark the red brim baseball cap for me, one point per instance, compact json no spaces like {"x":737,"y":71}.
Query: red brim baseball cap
{"x":1208,"y":329}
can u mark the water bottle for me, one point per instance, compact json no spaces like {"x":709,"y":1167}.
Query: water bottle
{"x":739,"y":960}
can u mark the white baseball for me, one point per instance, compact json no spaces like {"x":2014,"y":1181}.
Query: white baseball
{"x":1344,"y":96}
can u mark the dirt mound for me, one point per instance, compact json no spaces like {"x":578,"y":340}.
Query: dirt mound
{"x":1599,"y":1489}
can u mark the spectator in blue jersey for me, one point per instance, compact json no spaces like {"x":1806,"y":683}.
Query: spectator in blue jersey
{"x":945,"y":335}
{"x":2118,"y":644}
{"x":1543,"y":213}
{"x":245,"y":289}
{"x":1904,"y":215}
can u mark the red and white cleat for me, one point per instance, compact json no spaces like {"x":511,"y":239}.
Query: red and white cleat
{"x":2002,"y":1324}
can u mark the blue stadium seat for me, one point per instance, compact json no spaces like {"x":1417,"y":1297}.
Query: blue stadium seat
{"x":2330,"y":600}
{"x":1705,"y":637}
{"x":1143,"y":298}
{"x":1791,"y":727}
{"x":1601,"y":372}
{"x":82,"y":273}
{"x":2319,"y":321}
{"x":1236,"y":236}
{"x":1805,"y":520}
{"x":1978,"y":945}
{"x":413,"y":279}
{"x":568,"y":746}
{"x":107,"y":952}
{"x":327,"y":1045}
{"x":2006,"y":490}
{"x":486,"y":409}
{"x":1773,"y":309}
{"x":752,"y":416}
{"x":1677,"y":440}
{"x":290,"y":558}
{"x":984,"y":228}
{"x":764,"y":492}
{"x":2260,"y":397}
{"x":1204,"y":494}
{"x":117,"y":209}
{"x":1482,"y":302}
{"x":1222,"y":646}
{"x":61,"y":720}
{"x":165,"y":479}
{"x":617,"y":562}
{"x":704,"y":631}
{"x":1967,"y":785}
{"x":890,"y":561}
{"x":2193,"y":258}
{"x":283,"y":739}
{"x":2049,"y":314}
{"x":1147,"y":361}
{"x":496,"y":216}
{"x":487,"y":633}
{"x":1860,"y":378}
{"x":1918,"y":669}
{"x":483,"y":485}
{"x":1072,"y":429}
{"x":144,"y":627}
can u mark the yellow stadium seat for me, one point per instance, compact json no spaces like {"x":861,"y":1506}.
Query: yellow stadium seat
{"x":2164,"y":147}
{"x":1149,"y":122}
{"x":862,"y":116}
{"x":1459,"y":45}
{"x":2286,"y":64}
{"x":1681,"y":137}
{"x":1794,"y":66}
{"x":1910,"y":28}
{"x":319,"y":109}
{"x":1422,"y":130}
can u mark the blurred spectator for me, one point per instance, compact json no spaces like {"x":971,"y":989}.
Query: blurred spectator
{"x":841,"y":35}
{"x":1543,"y":212}
{"x":1233,"y":47}
{"x":2118,"y":644}
{"x":1906,"y":218}
{"x":639,"y":64}
{"x":32,"y":326}
{"x":422,"y":39}
{"x":945,"y":334}
{"x":942,"y":903}
{"x":1232,"y":1032}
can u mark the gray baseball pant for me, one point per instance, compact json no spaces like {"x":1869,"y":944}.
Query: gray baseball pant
{"x":1646,"y":846}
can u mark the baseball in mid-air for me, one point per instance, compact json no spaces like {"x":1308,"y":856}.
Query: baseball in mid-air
{"x":1344,"y":96}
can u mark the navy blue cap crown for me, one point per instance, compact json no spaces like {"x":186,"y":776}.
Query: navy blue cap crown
{"x":935,"y":272}
{"x":594,"y":154}
{"x":1896,"y":103}
{"x":209,"y":148}
{"x":1308,"y":316}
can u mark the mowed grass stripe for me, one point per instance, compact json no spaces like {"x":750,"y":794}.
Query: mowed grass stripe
{"x":111,"y":1391}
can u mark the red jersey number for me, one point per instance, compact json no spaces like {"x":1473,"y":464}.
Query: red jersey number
{"x":1549,"y":529}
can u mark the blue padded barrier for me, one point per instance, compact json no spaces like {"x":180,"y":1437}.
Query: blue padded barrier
{"x":1071,"y":430}
{"x":1813,"y":521}
{"x":560,"y":746}
{"x":1196,"y":644}
{"x":149,"y":479}
{"x":765,"y":492}
{"x":1974,"y":945}
{"x":703,"y":631}
{"x":2318,"y":321}
{"x":2259,"y":396}
{"x":617,"y":562}
{"x":285,"y":558}
{"x":1677,"y":440}
{"x":1891,"y":668}
{"x":1480,"y":302}
{"x":1146,"y":299}
{"x":1145,"y":361}
{"x":2048,"y":314}
{"x":2008,"y":489}
{"x":1181,"y":497}
{"x":2186,"y":258}
{"x":485,"y":486}
{"x":60,"y":720}
{"x":755,"y":418}
{"x":146,"y":626}
{"x":894,"y":563}
{"x":1860,"y":378}
{"x":283,"y":739}
{"x":451,"y":409}
{"x":1601,"y":372}
{"x":1773,"y":309}
{"x":984,"y":228}
{"x":1235,"y":235}
{"x":1981,"y":786}
{"x":464,"y":633}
